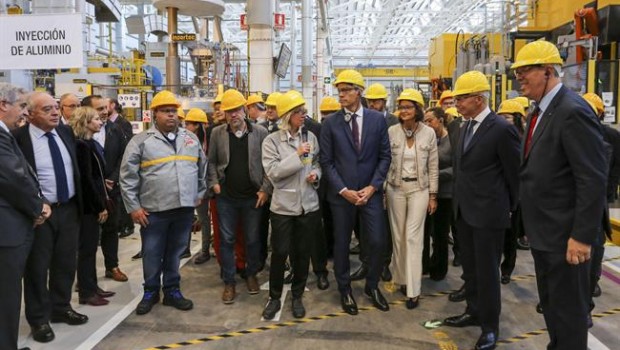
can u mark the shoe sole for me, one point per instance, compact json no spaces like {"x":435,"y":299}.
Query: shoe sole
{"x":166,"y":303}
{"x":228,"y":302}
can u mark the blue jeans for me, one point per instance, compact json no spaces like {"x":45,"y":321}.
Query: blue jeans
{"x":230,"y":211}
{"x":163,"y":241}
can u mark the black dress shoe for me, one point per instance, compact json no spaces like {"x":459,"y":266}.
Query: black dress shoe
{"x":539,"y":308}
{"x":597,"y":291}
{"x":505,"y":279}
{"x":321,"y":282}
{"x":355,"y":250}
{"x":104,"y":293}
{"x":463,"y":320}
{"x":487,"y":341}
{"x":348,"y":304}
{"x":23,"y":349}
{"x":457,"y":260}
{"x":271,"y":309}
{"x":299,"y":311}
{"x":360,"y":273}
{"x":412,"y":303}
{"x":458,"y":295}
{"x":377,"y":299}
{"x":386,"y":275}
{"x":43,"y":333}
{"x":69,"y":317}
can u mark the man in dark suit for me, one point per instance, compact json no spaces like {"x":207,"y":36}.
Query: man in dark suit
{"x":21,"y":207}
{"x":355,"y":157}
{"x":485,"y":193}
{"x":113,"y":141}
{"x":49,"y":148}
{"x":563,"y":179}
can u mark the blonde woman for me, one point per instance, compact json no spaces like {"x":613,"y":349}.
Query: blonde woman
{"x":290,"y":159}
{"x":412,"y":184}
{"x":85,"y":122}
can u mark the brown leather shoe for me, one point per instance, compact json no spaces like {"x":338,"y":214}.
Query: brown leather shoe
{"x":116,"y":274}
{"x":94,"y":300}
{"x":228,"y":297}
{"x":252,"y":283}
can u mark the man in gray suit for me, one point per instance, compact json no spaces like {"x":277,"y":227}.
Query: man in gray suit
{"x":562,"y":191}
{"x":21,"y":208}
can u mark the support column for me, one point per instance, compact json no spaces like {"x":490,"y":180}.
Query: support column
{"x":293,"y":63}
{"x":306,"y":53}
{"x":260,"y":45}
{"x":173,"y":64}
{"x":320,"y":67}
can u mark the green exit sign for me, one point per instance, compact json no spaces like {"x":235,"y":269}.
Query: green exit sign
{"x":327,"y":80}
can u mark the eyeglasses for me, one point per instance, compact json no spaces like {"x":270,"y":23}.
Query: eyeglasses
{"x":406,"y":108}
{"x":301,"y":111}
{"x":521,"y":71}
{"x":345,"y":90}
{"x":166,"y":110}
{"x":70,"y":106}
{"x":464,"y":97}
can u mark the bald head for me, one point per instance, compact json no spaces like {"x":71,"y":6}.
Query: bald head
{"x":43,"y":110}
{"x":68,"y":103}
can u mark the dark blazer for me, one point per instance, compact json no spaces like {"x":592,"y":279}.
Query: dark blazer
{"x":486,"y":180}
{"x":125,"y":127}
{"x":313,"y":126}
{"x":391,"y":119}
{"x":612,"y":137}
{"x":343,"y":166}
{"x":563,"y":179}
{"x":20,"y":199}
{"x":22,"y":136}
{"x":92,"y":167}
{"x":115,"y":143}
{"x":265,"y":125}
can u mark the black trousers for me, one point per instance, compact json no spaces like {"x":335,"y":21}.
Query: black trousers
{"x":13,"y":262}
{"x":51,"y":265}
{"x":290,"y":237}
{"x":109,"y":235}
{"x":596,"y":264}
{"x":436,"y":230}
{"x":481,"y":250}
{"x":387,"y":254}
{"x":318,"y":254}
{"x":510,"y":245}
{"x":87,"y":256}
{"x":564,"y":292}
{"x":263,"y":232}
{"x":328,"y":228}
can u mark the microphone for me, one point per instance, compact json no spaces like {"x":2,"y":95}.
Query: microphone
{"x":304,"y":138}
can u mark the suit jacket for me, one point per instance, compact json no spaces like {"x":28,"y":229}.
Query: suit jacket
{"x":265,"y":125}
{"x":486,"y":180}
{"x":125,"y":127}
{"x":391,"y":119}
{"x":313,"y":126}
{"x":341,"y":163}
{"x":22,"y":136}
{"x":115,"y":143}
{"x":20,"y":199}
{"x":563,"y":178}
{"x":92,"y":168}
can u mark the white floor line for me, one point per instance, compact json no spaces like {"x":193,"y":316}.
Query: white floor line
{"x":595,"y":344}
{"x":120,"y":316}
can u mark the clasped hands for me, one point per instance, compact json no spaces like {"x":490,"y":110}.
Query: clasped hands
{"x":360,"y":197}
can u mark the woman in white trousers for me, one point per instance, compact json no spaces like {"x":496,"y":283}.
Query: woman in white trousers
{"x":411,"y":192}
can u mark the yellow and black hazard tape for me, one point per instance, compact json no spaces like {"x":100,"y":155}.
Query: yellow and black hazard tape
{"x":535,"y":333}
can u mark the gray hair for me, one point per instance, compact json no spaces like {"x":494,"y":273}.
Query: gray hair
{"x":10,"y":93}
{"x":486,"y":95}
{"x":285,"y":120}
{"x":66,"y":96}
{"x":32,"y":97}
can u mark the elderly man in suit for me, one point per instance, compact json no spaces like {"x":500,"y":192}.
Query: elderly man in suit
{"x":563,"y":182}
{"x":355,"y":157}
{"x":21,"y":208}
{"x":485,"y":193}
{"x":49,"y":148}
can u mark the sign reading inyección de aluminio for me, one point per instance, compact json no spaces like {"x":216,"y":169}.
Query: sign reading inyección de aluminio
{"x":41,"y":41}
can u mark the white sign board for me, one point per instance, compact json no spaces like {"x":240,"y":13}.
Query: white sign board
{"x":129,"y":100}
{"x":41,"y":41}
{"x":610,"y":115}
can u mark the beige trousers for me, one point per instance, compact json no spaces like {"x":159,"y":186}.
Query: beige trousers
{"x":407,"y":206}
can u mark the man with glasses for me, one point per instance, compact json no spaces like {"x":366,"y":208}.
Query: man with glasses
{"x":241,"y":188}
{"x":162,"y":181}
{"x":68,"y":103}
{"x":112,"y":140}
{"x":49,"y":148}
{"x":485,"y":193}
{"x":355,"y":157}
{"x":562,"y":191}
{"x":21,"y":207}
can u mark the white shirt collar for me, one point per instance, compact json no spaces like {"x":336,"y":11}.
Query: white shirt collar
{"x":3,"y":126}
{"x":359,"y":112}
{"x":546,"y":100}
{"x":482,"y":115}
{"x":39,"y":133}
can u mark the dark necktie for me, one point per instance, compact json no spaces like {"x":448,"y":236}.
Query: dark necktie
{"x":355,"y":130}
{"x":62,"y":189}
{"x":469,"y":133}
{"x":530,"y":130}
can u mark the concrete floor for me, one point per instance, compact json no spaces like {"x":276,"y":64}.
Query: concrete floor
{"x":212,"y":325}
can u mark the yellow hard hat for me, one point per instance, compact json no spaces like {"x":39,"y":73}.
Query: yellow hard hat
{"x":452,"y":111}
{"x":196,"y":115}
{"x":164,"y":98}
{"x":444,"y":95}
{"x":329,"y":104}
{"x":471,"y":82}
{"x":376,"y":91}
{"x":218,"y":98}
{"x":595,"y":101}
{"x":289,"y":101}
{"x":181,"y":113}
{"x":254,"y":98}
{"x":350,"y":76}
{"x":536,"y":53}
{"x":232,"y":99}
{"x":523,"y":101}
{"x":511,"y":107}
{"x":272,"y":99}
{"x":411,"y":95}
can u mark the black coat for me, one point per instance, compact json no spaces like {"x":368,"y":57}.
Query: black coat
{"x":91,"y":168}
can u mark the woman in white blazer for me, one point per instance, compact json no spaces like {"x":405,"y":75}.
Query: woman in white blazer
{"x":411,"y":191}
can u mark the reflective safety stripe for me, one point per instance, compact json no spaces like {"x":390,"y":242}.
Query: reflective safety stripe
{"x":167,"y":159}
